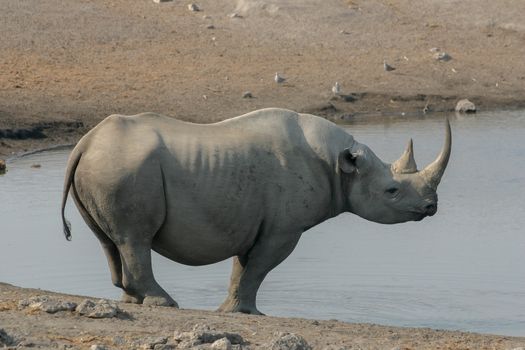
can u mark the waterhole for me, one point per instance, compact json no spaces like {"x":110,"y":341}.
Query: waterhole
{"x":462,"y":269}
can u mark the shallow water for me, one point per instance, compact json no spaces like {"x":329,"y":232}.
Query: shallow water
{"x":462,"y":269}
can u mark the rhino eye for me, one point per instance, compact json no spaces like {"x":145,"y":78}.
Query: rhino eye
{"x":392,"y":190}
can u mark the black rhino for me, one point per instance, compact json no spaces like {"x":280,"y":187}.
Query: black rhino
{"x":246,"y":187}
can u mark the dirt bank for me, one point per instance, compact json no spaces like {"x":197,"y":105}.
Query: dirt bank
{"x":67,"y":64}
{"x":134,"y":324}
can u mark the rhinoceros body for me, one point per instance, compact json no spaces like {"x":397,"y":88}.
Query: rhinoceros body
{"x":247,"y":188}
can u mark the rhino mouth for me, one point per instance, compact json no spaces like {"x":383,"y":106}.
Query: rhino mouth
{"x":419,"y":215}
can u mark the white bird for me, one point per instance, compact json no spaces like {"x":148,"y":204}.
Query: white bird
{"x":336,"y":89}
{"x":387,"y":67}
{"x":278,"y":79}
{"x":193,"y":7}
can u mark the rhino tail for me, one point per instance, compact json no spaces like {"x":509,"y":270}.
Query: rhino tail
{"x":72,"y":164}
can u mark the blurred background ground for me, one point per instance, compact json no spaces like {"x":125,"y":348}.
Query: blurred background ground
{"x":65,"y":65}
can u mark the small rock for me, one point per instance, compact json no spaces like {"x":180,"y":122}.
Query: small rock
{"x":442,"y":56}
{"x":200,"y":327}
{"x":159,"y":1}
{"x":234,"y":15}
{"x":97,"y":347}
{"x":222,"y":344}
{"x":2,"y":166}
{"x":465,"y":106}
{"x":193,"y":7}
{"x":247,"y":94}
{"x":46,"y":304}
{"x":201,"y":334}
{"x":5,"y":339}
{"x":434,"y":49}
{"x":36,"y":166}
{"x":210,"y":26}
{"x":150,"y":342}
{"x":100,"y":309}
{"x":315,"y":323}
{"x":165,"y":347}
{"x":287,"y":341}
{"x":118,"y":340}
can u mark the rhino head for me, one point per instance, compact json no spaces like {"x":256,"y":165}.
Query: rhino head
{"x":391,"y":193}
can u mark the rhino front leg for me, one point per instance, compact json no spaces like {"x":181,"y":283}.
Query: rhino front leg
{"x":249,"y":271}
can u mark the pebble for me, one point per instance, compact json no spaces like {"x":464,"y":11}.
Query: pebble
{"x":222,"y":344}
{"x":5,"y":339}
{"x":165,"y":347}
{"x":287,"y":341}
{"x":101,"y":309}
{"x":442,"y":56}
{"x":247,"y":94}
{"x":465,"y":106}
{"x":149,"y":342}
{"x":97,"y":347}
{"x":210,"y":26}
{"x":159,"y":1}
{"x":234,"y":15}
{"x":36,"y":166}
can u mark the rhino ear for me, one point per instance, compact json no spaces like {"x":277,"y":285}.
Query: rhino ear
{"x":347,"y":161}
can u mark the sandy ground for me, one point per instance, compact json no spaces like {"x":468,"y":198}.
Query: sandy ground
{"x":135,"y":323}
{"x":65,"y":65}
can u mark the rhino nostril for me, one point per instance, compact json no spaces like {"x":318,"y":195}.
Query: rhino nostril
{"x":430,"y":209}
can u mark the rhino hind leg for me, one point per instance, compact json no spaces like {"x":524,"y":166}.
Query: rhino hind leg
{"x":108,"y":246}
{"x":249,"y":271}
{"x":138,"y":281}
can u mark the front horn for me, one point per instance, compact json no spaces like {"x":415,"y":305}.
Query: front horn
{"x":434,"y":171}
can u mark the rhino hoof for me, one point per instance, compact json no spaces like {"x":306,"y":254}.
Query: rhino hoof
{"x":160,"y":301}
{"x":232,"y":307}
{"x":131,"y":299}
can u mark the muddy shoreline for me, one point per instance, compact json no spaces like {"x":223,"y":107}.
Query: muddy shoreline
{"x":19,"y":138}
{"x":33,"y":328}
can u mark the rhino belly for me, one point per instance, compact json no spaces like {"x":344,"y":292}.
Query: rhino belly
{"x":200,"y":244}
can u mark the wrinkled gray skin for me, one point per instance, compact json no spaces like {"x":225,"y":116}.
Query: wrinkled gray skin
{"x":246,"y":187}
